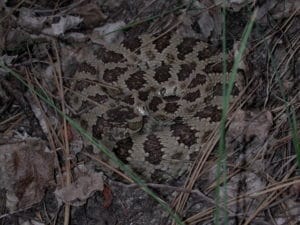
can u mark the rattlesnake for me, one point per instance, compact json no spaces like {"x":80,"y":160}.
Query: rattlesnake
{"x":153,"y":100}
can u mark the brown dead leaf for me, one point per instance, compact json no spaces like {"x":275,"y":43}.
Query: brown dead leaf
{"x":277,"y":10}
{"x":240,"y":184}
{"x":107,"y":195}
{"x":109,"y":33}
{"x":30,"y":21}
{"x":285,"y":9}
{"x":209,"y":19}
{"x":64,"y":24}
{"x":84,"y":186}
{"x":91,"y":14}
{"x":26,"y":171}
{"x":206,"y":24}
{"x":264,"y":9}
{"x":248,"y":125}
{"x":14,"y":38}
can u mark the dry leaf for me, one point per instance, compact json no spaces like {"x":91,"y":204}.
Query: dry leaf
{"x":264,"y":9}
{"x":65,"y":23}
{"x":247,"y":125}
{"x":240,"y":184}
{"x":107,"y":195}
{"x":206,"y":23}
{"x":109,"y":33}
{"x":26,"y":171}
{"x":28,"y":20}
{"x":81,"y":189}
{"x":285,"y":9}
{"x":91,"y":14}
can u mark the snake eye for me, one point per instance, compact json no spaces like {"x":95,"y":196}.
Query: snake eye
{"x":175,"y":91}
{"x":141,"y":110}
{"x":167,"y":92}
{"x":162,"y":92}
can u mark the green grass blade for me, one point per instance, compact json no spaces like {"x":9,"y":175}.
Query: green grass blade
{"x":290,"y":112}
{"x":221,"y":204}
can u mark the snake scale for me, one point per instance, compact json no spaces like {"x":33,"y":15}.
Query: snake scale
{"x":153,"y":100}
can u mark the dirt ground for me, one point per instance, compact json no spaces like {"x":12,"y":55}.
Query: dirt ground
{"x":48,"y":177}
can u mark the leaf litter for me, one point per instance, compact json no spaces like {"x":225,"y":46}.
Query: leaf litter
{"x":30,"y":166}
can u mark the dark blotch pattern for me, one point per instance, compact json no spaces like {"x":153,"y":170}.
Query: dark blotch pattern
{"x":171,"y":107}
{"x":122,"y":149}
{"x":100,"y":126}
{"x":171,"y":98}
{"x":185,"y":134}
{"x":87,"y":68}
{"x":186,"y":47}
{"x":200,"y":79}
{"x":132,"y":43}
{"x":121,"y":114}
{"x":211,"y":112}
{"x":162,"y":73}
{"x":207,"y":53}
{"x":84,"y":124}
{"x":213,"y":68}
{"x":112,"y":75}
{"x":216,"y":67}
{"x":153,"y":105}
{"x":192,"y":96}
{"x":143,"y":95}
{"x":162,"y":42}
{"x":185,"y":71}
{"x":136,"y":80}
{"x":218,"y":89}
{"x":129,"y":99}
{"x":99,"y":98}
{"x":153,"y":147}
{"x":86,"y":105}
{"x":80,"y":85}
{"x":108,"y":56}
